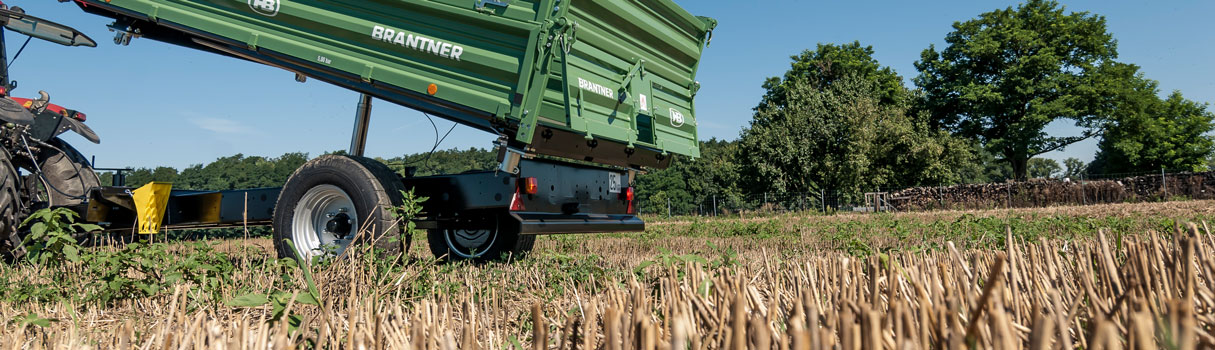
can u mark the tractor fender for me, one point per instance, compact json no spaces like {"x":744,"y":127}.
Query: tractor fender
{"x":72,"y":124}
{"x":12,"y":111}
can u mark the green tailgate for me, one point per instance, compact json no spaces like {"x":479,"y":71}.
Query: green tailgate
{"x":557,"y":78}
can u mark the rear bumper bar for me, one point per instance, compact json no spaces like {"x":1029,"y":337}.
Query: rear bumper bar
{"x":545,"y":223}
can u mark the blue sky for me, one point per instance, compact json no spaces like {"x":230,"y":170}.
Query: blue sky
{"x":157,"y":104}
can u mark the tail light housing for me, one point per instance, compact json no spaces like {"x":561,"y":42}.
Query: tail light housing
{"x":80,"y":116}
{"x":627,"y":195}
{"x":529,"y":185}
{"x":526,"y":185}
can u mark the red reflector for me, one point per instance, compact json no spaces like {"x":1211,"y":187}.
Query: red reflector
{"x":529,"y":185}
{"x":3,"y":90}
{"x":516,"y":203}
{"x":81,"y":117}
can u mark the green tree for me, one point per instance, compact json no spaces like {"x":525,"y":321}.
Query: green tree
{"x":829,"y":63}
{"x":986,"y":168}
{"x":1172,"y":134}
{"x":238,"y":171}
{"x":143,"y":176}
{"x":1044,"y":168}
{"x":452,"y":161}
{"x":690,"y":182}
{"x":1074,"y":168}
{"x":843,"y":137}
{"x":1008,"y":73}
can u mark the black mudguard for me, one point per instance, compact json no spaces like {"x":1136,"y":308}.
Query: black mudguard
{"x":12,"y":112}
{"x":80,"y":128}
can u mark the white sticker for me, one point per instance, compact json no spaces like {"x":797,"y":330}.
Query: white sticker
{"x":645,"y":105}
{"x":595,"y":88}
{"x":265,"y":7}
{"x":613,"y":183}
{"x":417,"y":42}
{"x":676,"y":118}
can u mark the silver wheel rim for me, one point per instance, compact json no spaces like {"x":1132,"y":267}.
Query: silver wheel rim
{"x":311,"y":216}
{"x":471,"y":244}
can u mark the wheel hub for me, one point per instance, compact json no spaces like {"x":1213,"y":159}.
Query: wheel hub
{"x":323,"y":222}
{"x":339,"y":225}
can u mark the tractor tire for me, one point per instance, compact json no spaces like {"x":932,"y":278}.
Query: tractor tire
{"x":67,"y":175}
{"x":338,"y":202}
{"x":494,"y":238}
{"x":11,"y":212}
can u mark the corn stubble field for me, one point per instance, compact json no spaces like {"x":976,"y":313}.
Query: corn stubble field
{"x":1101,"y":277}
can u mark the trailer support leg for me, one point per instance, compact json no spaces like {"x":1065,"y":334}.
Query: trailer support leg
{"x":362,"y":120}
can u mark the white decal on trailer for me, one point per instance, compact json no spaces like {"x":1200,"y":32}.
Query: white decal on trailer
{"x":596,"y":88}
{"x":417,"y":42}
{"x":676,"y":118}
{"x":265,"y":7}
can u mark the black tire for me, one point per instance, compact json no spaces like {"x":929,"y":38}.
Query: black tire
{"x":67,"y":175}
{"x":371,"y":186}
{"x":11,"y":213}
{"x":496,"y":238}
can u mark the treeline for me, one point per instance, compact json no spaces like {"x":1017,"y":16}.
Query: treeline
{"x":841,"y":123}
{"x":240,"y":171}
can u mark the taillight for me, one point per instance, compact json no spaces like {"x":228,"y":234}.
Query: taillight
{"x":3,"y":90}
{"x":529,"y":185}
{"x":80,"y":116}
{"x":627,"y":194}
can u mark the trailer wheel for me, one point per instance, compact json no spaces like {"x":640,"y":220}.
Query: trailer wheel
{"x":493,"y":239}
{"x":10,"y":210}
{"x":67,"y":176}
{"x":334,"y":201}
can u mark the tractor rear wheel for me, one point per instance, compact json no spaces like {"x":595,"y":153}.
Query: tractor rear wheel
{"x":10,"y":210}
{"x":67,"y":177}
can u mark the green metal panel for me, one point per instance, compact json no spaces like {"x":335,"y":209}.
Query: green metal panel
{"x":620,"y":71}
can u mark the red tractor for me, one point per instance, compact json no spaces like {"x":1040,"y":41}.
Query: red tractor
{"x":37,"y":168}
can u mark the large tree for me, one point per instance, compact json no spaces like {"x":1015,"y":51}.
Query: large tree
{"x":828,"y":63}
{"x":1005,"y":75}
{"x":1044,"y":168}
{"x":1171,"y":134}
{"x":843,"y":138}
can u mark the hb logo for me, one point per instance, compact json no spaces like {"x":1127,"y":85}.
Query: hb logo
{"x":264,"y":7}
{"x":676,"y":117}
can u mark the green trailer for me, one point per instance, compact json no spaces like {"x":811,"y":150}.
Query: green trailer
{"x":611,"y":82}
{"x":582,"y":94}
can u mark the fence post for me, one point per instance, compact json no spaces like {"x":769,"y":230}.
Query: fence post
{"x":668,"y":207}
{"x":1163,"y":187}
{"x":822,"y":200}
{"x":1083,"y":199}
{"x":715,"y":205}
{"x":1008,"y":190}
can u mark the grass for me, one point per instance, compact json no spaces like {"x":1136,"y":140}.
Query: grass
{"x":1019,"y":278}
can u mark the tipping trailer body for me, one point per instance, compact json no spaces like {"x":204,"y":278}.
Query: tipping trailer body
{"x":607,"y":82}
